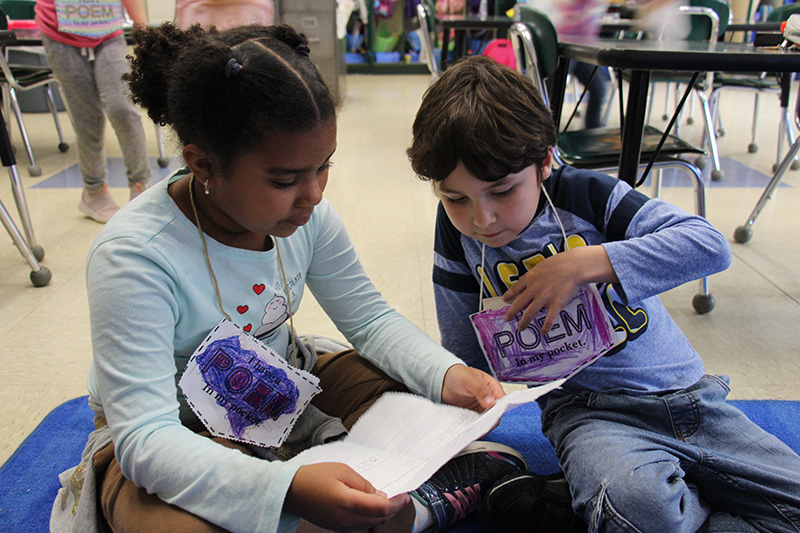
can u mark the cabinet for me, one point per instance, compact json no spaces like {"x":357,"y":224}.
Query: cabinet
{"x":317,"y":19}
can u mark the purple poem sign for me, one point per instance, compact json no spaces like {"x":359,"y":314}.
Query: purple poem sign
{"x":581,"y":334}
{"x":249,"y":389}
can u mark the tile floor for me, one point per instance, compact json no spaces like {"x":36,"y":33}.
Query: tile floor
{"x":752,"y":335}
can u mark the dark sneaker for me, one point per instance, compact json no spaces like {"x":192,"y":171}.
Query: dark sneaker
{"x":525,"y":502}
{"x":457,"y":488}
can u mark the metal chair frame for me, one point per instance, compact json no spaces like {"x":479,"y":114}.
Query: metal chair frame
{"x":528,"y":64}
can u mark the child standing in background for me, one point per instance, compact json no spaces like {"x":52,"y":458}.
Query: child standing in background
{"x":646,"y":440}
{"x":87,"y":56}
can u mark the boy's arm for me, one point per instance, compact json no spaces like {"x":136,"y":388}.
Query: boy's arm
{"x":651,"y":247}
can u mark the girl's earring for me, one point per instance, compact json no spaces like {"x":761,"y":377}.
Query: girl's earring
{"x":205,"y":186}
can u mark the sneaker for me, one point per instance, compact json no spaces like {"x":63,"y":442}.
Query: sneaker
{"x":98,"y":206}
{"x":457,"y":488}
{"x":526,"y":502}
{"x":138,"y":188}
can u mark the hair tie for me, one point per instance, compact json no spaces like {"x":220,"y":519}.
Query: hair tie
{"x":232,"y":68}
{"x":303,"y":49}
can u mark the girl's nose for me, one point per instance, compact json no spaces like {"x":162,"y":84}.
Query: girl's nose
{"x":312,"y":193}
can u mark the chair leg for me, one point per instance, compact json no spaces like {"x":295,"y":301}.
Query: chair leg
{"x":744,"y":233}
{"x":40,"y":276}
{"x":753,"y":146}
{"x":711,"y":136}
{"x":24,"y":213}
{"x":612,"y":95}
{"x":34,"y":170}
{"x":785,"y":130}
{"x":703,"y":302}
{"x":51,"y":103}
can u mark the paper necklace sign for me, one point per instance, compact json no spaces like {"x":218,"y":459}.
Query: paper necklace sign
{"x":89,"y":18}
{"x":243,"y":390}
{"x":582,"y":334}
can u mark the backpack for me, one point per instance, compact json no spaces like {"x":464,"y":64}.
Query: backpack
{"x":501,"y":51}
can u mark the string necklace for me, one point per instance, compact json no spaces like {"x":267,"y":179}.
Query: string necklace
{"x":214,"y":277}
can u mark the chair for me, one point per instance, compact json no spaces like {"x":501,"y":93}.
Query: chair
{"x":31,"y":252}
{"x":426,"y":16}
{"x":744,"y":233}
{"x":536,"y":47}
{"x":24,"y":78}
{"x":708,"y":19}
{"x":765,"y":82}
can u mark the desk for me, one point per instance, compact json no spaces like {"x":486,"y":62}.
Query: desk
{"x":641,"y":57}
{"x":462,"y":23}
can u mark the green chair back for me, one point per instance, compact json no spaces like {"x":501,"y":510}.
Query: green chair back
{"x":701,"y":26}
{"x":18,"y":9}
{"x":782,"y":13}
{"x":545,"y":38}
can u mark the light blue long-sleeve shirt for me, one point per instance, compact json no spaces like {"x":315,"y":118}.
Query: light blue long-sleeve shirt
{"x":152,"y":301}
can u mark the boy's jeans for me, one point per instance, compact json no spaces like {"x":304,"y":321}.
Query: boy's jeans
{"x":683,"y":461}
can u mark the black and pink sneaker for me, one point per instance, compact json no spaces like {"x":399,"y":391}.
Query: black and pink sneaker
{"x":458,"y":487}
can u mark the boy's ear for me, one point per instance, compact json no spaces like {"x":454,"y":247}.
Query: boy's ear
{"x":547,"y":164}
{"x":199,"y":161}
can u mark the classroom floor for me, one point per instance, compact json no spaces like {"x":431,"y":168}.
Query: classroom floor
{"x":752,"y":335}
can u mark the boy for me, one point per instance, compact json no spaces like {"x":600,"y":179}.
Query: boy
{"x":645,"y":439}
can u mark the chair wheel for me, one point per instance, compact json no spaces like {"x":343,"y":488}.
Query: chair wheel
{"x":163,"y":162}
{"x":721,"y":132}
{"x":690,"y":121}
{"x":795,"y":165}
{"x":34,"y":171}
{"x":664,"y":117}
{"x":38,"y":252}
{"x":41,"y":277}
{"x":717,"y":175}
{"x":742,"y":234}
{"x":752,"y":148}
{"x":700,"y":162}
{"x":63,"y":147}
{"x":774,"y":167}
{"x":703,"y":303}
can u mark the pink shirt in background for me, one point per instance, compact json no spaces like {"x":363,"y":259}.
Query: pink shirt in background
{"x":224,"y":13}
{"x":47,"y":23}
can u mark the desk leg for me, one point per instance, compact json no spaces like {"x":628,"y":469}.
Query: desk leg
{"x":558,"y":89}
{"x":634,"y":126}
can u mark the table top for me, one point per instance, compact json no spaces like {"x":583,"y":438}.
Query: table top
{"x":681,"y":55}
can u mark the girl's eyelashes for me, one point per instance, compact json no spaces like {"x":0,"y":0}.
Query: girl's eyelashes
{"x":328,"y":164}
{"x":284,"y":184}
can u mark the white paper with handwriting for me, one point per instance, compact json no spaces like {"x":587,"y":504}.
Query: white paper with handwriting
{"x":402,"y":440}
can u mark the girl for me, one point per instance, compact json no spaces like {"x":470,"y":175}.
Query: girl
{"x":239,"y":233}
{"x":87,"y":55}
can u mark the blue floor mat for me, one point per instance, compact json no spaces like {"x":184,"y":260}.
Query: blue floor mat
{"x":29,"y":479}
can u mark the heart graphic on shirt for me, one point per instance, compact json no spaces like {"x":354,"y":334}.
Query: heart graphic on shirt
{"x":242,"y":309}
{"x":248,"y":327}
{"x":258,"y":289}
